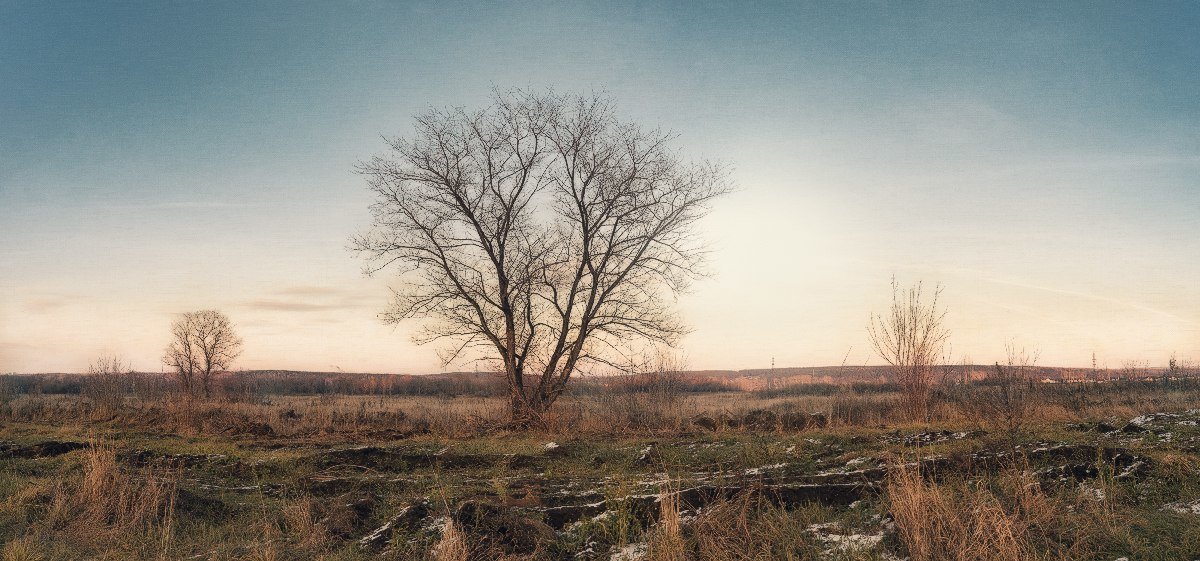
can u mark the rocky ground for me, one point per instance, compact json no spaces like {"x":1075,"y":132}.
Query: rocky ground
{"x":554,"y":497}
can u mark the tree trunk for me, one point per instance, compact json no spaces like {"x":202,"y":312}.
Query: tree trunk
{"x":528,"y":412}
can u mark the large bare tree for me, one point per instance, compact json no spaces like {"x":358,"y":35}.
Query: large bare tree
{"x":203,"y":343}
{"x":542,"y":231}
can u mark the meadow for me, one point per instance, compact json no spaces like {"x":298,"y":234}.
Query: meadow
{"x":654,"y":470}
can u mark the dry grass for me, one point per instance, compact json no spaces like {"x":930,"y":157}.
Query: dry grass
{"x":104,"y":509}
{"x":746,"y":528}
{"x":937,"y":524}
{"x":453,"y":545}
{"x":666,"y":541}
{"x":22,"y":549}
{"x":301,"y":525}
{"x":1012,"y":520}
{"x":338,"y":418}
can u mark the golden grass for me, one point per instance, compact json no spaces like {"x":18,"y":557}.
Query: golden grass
{"x":337,"y":418}
{"x":453,"y":545}
{"x":1014,"y":520}
{"x":22,"y":549}
{"x":106,"y":508}
{"x":666,"y":541}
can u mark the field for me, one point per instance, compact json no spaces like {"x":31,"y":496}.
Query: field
{"x":1090,"y":471}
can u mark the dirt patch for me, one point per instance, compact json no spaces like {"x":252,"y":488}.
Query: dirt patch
{"x":46,"y":449}
{"x":503,"y":528}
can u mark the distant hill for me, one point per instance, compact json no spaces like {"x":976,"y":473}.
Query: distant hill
{"x":748,"y":379}
{"x":490,"y":383}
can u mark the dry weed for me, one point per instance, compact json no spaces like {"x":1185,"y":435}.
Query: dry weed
{"x":22,"y":549}
{"x":961,"y":522}
{"x":453,"y":546}
{"x":299,"y":520}
{"x":666,"y":541}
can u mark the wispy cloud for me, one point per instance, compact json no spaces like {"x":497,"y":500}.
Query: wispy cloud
{"x":45,"y":303}
{"x":277,"y":305}
{"x":306,"y":298}
{"x":183,"y":205}
{"x":1092,"y":297}
{"x":317,"y":291}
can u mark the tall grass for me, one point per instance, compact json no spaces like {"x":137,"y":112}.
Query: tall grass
{"x":105,"y":509}
{"x":1005,"y":518}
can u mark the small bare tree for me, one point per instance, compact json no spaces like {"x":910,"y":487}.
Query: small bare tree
{"x":1009,"y":392}
{"x":1135,"y":370}
{"x":1187,"y":369}
{"x":106,"y":383}
{"x":203,"y":344}
{"x":911,"y":338}
{"x":542,"y":232}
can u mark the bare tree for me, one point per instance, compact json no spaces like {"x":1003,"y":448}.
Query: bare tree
{"x":203,"y":344}
{"x":542,"y":232}
{"x":1008,"y":396}
{"x":106,"y":383}
{"x":1135,"y":370}
{"x":911,"y":338}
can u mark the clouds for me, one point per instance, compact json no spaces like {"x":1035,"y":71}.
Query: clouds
{"x":306,"y":299}
{"x":45,"y":304}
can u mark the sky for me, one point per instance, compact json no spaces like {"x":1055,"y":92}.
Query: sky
{"x":1040,"y":161}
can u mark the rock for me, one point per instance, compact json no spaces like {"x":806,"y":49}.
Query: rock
{"x":647,"y":456}
{"x":554,"y":450}
{"x":503,"y":527}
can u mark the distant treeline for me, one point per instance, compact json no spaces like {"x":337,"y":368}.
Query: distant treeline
{"x":273,"y":382}
{"x":782,"y":383}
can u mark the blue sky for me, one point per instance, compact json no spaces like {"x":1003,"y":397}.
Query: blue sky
{"x":1041,"y":161}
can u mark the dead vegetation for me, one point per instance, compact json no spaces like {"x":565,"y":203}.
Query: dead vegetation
{"x":647,"y":474}
{"x":1005,"y":402}
{"x":104,"y":508}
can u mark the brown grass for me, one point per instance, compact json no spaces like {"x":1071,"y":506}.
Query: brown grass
{"x":340,"y":418}
{"x":22,"y":549}
{"x":747,"y":528}
{"x":453,"y":545}
{"x":106,"y":509}
{"x":1014,"y":520}
{"x":666,"y":541}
